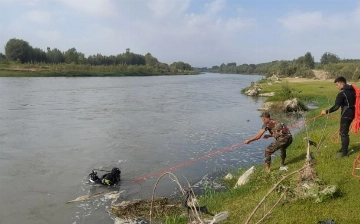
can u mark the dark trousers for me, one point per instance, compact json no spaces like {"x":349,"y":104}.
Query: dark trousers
{"x":345,"y":123}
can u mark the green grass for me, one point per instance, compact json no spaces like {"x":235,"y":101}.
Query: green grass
{"x":343,"y":206}
{"x":72,"y":70}
{"x":79,"y":74}
{"x":174,"y":219}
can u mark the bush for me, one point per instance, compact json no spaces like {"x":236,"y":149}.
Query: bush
{"x":304,"y":73}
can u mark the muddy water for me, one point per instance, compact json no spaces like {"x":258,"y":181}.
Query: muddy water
{"x":54,"y":131}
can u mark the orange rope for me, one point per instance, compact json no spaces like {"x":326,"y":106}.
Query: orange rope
{"x":303,"y":122}
{"x":353,"y":129}
{"x":356,"y":122}
{"x":335,"y":137}
{"x":355,"y":125}
{"x":209,"y":155}
{"x":356,"y":166}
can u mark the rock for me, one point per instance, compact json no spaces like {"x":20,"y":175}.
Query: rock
{"x":274,"y":77}
{"x":291,"y":105}
{"x":252,"y":92}
{"x":217,"y":218}
{"x":119,"y":220}
{"x":228,"y":176}
{"x":266,"y":106}
{"x":245,"y":177}
{"x":267,"y":94}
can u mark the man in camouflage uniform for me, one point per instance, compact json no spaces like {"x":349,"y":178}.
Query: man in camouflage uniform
{"x":282,"y":137}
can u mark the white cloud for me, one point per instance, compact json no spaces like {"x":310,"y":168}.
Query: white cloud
{"x":41,"y":17}
{"x":215,"y":6}
{"x":163,"y":8}
{"x":238,"y":24}
{"x":239,"y":9}
{"x":170,"y":33}
{"x":212,"y":22}
{"x":31,"y":3}
{"x":306,"y":21}
{"x":92,"y":7}
{"x":357,"y":15}
{"x":197,"y":21}
{"x":303,"y":21}
{"x":168,"y":29}
{"x":52,"y":35}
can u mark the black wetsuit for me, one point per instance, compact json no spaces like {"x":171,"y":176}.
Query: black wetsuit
{"x":107,"y":179}
{"x":346,"y":101}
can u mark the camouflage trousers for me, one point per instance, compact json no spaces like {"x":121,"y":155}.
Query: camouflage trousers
{"x":280,"y":143}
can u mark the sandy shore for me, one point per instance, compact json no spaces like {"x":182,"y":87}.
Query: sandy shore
{"x":320,"y":75}
{"x":305,"y":80}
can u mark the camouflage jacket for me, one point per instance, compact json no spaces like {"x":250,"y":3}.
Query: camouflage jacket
{"x":276,"y":128}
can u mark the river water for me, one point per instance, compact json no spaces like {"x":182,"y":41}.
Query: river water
{"x":54,"y":131}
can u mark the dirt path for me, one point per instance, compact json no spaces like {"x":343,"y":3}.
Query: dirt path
{"x":320,"y":75}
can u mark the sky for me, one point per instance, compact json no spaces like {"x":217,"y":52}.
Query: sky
{"x":202,"y":33}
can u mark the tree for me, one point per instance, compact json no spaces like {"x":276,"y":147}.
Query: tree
{"x":71,"y":56}
{"x":309,"y":60}
{"x":231,"y":67}
{"x":150,"y":60}
{"x":300,"y":61}
{"x":215,"y":68}
{"x":129,"y":58}
{"x":18,"y":50}
{"x":38,"y":55}
{"x":328,"y":58}
{"x":222,"y":68}
{"x":54,"y":56}
{"x":2,"y":57}
{"x":81,"y":58}
{"x":180,"y":66}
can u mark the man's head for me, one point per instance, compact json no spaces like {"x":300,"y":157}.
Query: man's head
{"x":340,"y":82}
{"x":116,"y":172}
{"x":265,"y":116}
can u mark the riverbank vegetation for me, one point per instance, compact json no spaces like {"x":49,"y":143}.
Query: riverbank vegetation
{"x":21,"y":59}
{"x":303,"y":66}
{"x":340,"y":205}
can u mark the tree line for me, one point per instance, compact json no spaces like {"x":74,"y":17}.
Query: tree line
{"x":302,"y":66}
{"x":20,"y":51}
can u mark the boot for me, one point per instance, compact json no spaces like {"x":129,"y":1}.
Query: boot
{"x":344,"y":145}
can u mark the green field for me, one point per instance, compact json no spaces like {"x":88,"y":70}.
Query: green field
{"x":73,"y":70}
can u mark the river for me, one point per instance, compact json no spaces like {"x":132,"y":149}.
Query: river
{"x":54,"y":131}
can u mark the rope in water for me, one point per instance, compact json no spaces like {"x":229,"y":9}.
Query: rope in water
{"x":189,"y":162}
{"x":211,"y":154}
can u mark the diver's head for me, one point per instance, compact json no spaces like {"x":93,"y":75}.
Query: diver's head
{"x":116,"y":172}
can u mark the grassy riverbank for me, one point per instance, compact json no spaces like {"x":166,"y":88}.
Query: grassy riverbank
{"x":342,"y":206}
{"x":73,"y":70}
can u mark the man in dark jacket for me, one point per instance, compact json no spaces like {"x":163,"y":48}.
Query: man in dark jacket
{"x":345,"y":100}
{"x":107,"y":179}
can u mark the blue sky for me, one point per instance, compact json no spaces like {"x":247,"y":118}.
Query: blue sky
{"x":199,"y":32}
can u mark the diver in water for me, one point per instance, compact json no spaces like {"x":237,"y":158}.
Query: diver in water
{"x":108,"y":178}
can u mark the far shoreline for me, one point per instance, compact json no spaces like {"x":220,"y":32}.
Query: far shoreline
{"x":86,"y":74}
